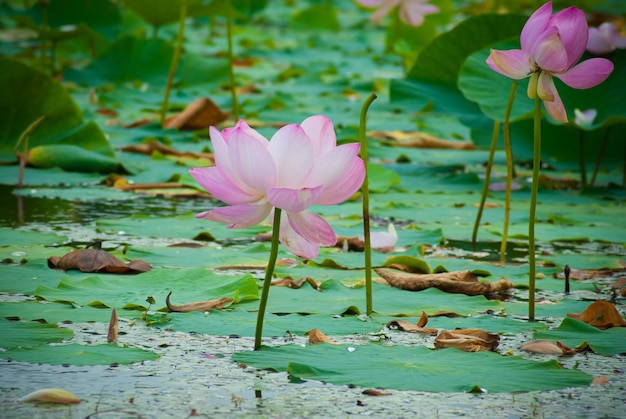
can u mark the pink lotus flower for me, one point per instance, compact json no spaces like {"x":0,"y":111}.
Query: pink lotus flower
{"x":551,"y":45}
{"x":300,"y":166}
{"x":605,"y":39}
{"x":412,"y":12}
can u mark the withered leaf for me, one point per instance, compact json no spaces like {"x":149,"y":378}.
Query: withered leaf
{"x":374,"y":392}
{"x":410,"y":327}
{"x":583,"y":274}
{"x":112,"y":335}
{"x":51,"y":395}
{"x":199,"y":114}
{"x":601,"y":380}
{"x":317,"y":336}
{"x":601,"y":314}
{"x":296,"y":283}
{"x":155,"y":145}
{"x":468,"y":340}
{"x":96,"y":260}
{"x":543,"y":346}
{"x":202,"y":306}
{"x":421,"y":140}
{"x":423,"y":321}
{"x":463,"y":282}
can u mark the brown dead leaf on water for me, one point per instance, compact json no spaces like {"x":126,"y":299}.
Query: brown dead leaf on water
{"x":413,"y":328}
{"x":374,"y":392}
{"x":544,"y":346}
{"x":51,"y":395}
{"x":601,"y":314}
{"x":199,"y":114}
{"x":468,"y":340}
{"x":420,"y":140}
{"x":463,"y":282}
{"x":156,"y":146}
{"x":583,"y":274}
{"x":601,"y":380}
{"x":112,"y":335}
{"x":96,"y":260}
{"x":317,"y":336}
{"x":296,"y":283}
{"x":202,"y":306}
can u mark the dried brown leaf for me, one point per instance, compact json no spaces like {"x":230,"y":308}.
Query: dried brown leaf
{"x":421,"y":140}
{"x":374,"y":392}
{"x":297,"y":283}
{"x":317,"y":336}
{"x":51,"y":395}
{"x":468,"y":340}
{"x":543,"y":346}
{"x":601,"y":380}
{"x":112,"y":335}
{"x":463,"y":282}
{"x":410,"y":327}
{"x":423,"y":321}
{"x":202,"y":306}
{"x":601,"y":314}
{"x":199,"y":114}
{"x":152,"y":146}
{"x":96,"y":260}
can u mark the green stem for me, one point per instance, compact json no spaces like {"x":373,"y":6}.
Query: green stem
{"x":231,"y":59}
{"x":367,"y":248}
{"x":175,"y":59}
{"x":581,"y":158}
{"x":509,"y":170}
{"x":605,"y":140}
{"x":483,"y":198}
{"x":533,"y":207}
{"x":269,"y":271}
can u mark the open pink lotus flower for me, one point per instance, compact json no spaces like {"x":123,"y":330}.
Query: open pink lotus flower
{"x":300,"y":166}
{"x":551,"y":45}
{"x":412,"y":12}
{"x":605,"y":39}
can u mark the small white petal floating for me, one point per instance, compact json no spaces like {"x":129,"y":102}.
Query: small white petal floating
{"x":51,"y":395}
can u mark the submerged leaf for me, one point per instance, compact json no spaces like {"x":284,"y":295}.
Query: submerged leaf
{"x":51,"y":395}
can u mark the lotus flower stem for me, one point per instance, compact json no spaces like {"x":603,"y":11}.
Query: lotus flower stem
{"x":175,"y":59}
{"x":483,"y":198}
{"x":605,"y":140}
{"x":509,"y":170}
{"x":367,"y":247}
{"x":267,"y":283}
{"x":233,"y":85}
{"x":533,"y":207}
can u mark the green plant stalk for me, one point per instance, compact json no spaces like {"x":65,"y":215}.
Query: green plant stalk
{"x":231,"y":61}
{"x":483,"y":198}
{"x":267,"y":283}
{"x":509,"y":170}
{"x":23,"y":157}
{"x":533,"y":208}
{"x":605,"y":140}
{"x":175,"y":59}
{"x":581,"y":158}
{"x":365,"y":193}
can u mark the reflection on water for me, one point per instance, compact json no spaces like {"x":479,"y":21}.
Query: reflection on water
{"x":17,"y":210}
